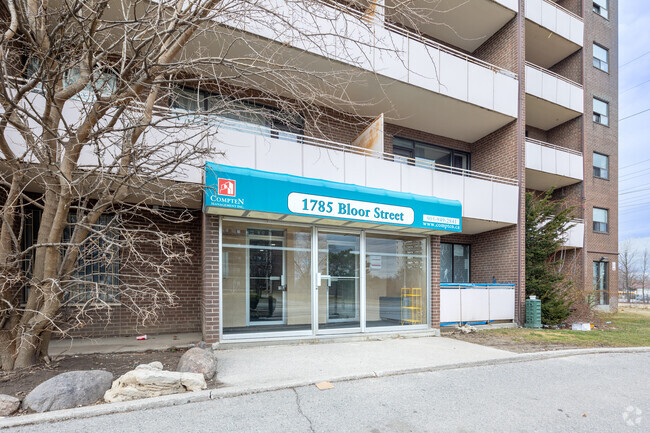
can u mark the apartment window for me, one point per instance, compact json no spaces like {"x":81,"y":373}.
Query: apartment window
{"x":454,"y":263}
{"x":103,"y":83}
{"x":423,"y":153}
{"x":601,"y":112}
{"x":273,"y":122}
{"x":600,"y":7}
{"x":601,"y":166}
{"x":600,"y":220}
{"x":98,"y":263}
{"x":601,"y":56}
{"x":601,"y":287}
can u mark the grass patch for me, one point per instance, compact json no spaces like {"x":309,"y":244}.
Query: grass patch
{"x":627,"y":329}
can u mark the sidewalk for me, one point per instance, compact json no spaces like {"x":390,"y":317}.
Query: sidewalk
{"x":249,"y":370}
{"x":79,"y":346}
{"x":293,"y":364}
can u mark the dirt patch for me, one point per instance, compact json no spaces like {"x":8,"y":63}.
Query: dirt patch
{"x":20,"y":382}
{"x":511,"y":344}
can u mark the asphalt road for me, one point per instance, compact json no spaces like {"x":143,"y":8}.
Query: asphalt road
{"x":591,"y":393}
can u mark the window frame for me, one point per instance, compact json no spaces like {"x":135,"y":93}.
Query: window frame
{"x":601,"y":116}
{"x":599,"y":265}
{"x":83,"y":271}
{"x":276,"y":126}
{"x":600,"y":61}
{"x":469,"y":254}
{"x":598,"y":228}
{"x":598,"y":9}
{"x":413,"y":144}
{"x":600,"y":169}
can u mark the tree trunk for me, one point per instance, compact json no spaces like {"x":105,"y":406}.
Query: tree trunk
{"x":7,"y":350}
{"x":27,"y":351}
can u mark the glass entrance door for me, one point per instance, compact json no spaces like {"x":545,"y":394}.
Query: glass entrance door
{"x":338,"y":281}
{"x":266,"y":285}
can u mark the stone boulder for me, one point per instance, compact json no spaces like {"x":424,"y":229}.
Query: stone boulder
{"x":66,"y":390}
{"x":8,"y":404}
{"x":150,"y":380}
{"x":198,"y":360}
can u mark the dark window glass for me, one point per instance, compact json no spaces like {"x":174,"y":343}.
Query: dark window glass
{"x":454,"y":263}
{"x":425,"y":154}
{"x":601,"y":287}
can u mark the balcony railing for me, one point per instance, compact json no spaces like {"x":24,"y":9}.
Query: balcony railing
{"x":578,"y":17}
{"x":553,"y":74}
{"x":418,"y":38}
{"x":554,"y":146}
{"x":234,"y":125}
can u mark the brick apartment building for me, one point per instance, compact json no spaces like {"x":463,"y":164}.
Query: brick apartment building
{"x":413,"y":219}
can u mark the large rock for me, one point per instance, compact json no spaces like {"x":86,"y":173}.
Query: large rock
{"x":71,"y":389}
{"x":198,"y":360}
{"x":8,"y":404}
{"x":150,"y":380}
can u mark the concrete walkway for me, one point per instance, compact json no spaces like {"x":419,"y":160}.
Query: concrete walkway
{"x":80,"y":346}
{"x":290,"y":365}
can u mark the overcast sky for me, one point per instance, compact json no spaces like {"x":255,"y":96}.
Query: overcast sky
{"x":634,"y":132}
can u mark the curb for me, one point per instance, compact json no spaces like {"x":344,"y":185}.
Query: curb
{"x":228,"y":392}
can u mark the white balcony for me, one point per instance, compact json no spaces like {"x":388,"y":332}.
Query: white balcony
{"x":415,"y":82}
{"x":551,"y":99}
{"x":468,"y":24}
{"x":476,"y":303}
{"x":489,"y":202}
{"x":574,"y":237}
{"x":549,"y":166}
{"x":552,"y":32}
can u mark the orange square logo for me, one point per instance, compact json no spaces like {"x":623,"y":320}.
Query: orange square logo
{"x":227,"y":187}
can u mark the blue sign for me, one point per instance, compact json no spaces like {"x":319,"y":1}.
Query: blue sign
{"x":248,"y":189}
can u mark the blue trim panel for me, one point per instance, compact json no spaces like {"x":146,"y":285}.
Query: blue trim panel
{"x":256,"y":190}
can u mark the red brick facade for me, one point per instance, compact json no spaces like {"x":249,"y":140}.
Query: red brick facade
{"x":184,"y":282}
{"x":496,"y":255}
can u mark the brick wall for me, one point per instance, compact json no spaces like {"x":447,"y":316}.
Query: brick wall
{"x":435,"y":281}
{"x":568,"y":134}
{"x":184,"y":281}
{"x":496,"y":153}
{"x":570,"y":67}
{"x":603,"y":139}
{"x":501,"y":49}
{"x":574,"y":6}
{"x":210,"y":284}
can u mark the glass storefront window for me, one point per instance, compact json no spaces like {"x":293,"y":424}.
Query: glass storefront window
{"x":269,"y":283}
{"x":396,"y":280}
{"x":266,"y":277}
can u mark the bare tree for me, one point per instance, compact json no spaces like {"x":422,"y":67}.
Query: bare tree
{"x":627,"y":268}
{"x":95,"y":151}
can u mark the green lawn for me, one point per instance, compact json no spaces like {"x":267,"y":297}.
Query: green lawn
{"x":627,"y":329}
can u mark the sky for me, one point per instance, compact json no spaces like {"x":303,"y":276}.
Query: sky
{"x":634,"y":132}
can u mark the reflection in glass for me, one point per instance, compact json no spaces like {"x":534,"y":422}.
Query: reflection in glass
{"x":338,"y":292}
{"x":266,"y":277}
{"x":395,"y":280}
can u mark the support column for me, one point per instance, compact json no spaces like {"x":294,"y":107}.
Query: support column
{"x":435,"y":282}
{"x":210,"y":279}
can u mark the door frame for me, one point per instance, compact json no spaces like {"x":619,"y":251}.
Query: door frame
{"x":248,"y":278}
{"x":360,"y":296}
{"x":314,"y":331}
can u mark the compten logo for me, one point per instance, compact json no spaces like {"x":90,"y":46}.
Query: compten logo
{"x":227,"y":187}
